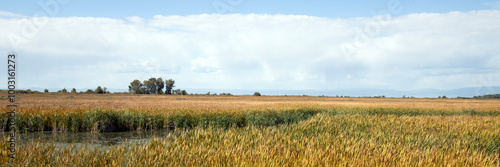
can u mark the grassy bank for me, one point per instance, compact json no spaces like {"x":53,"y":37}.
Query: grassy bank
{"x":325,"y":139}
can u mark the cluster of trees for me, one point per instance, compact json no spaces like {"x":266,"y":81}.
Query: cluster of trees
{"x":179,"y":92}
{"x":155,"y":86}
{"x":404,"y":96}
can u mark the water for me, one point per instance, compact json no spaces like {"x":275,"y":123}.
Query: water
{"x":99,"y":140}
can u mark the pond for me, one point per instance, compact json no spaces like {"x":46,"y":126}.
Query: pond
{"x":93,"y":139}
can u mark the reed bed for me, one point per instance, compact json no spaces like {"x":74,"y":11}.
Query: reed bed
{"x":82,"y":112}
{"x":323,"y":140}
{"x":98,"y":120}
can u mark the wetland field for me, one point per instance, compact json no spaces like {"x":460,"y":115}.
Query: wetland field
{"x":174,"y":130}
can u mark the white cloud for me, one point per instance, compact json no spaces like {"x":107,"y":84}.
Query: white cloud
{"x":135,"y":19}
{"x":207,"y":65}
{"x":426,"y":50}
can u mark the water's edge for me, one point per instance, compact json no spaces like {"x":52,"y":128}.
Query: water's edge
{"x":92,"y":139}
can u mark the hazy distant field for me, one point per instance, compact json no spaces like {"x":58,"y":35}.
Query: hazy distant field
{"x":161,"y":102}
{"x":270,"y":131}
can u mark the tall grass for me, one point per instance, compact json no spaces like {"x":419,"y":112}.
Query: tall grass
{"x":322,"y":140}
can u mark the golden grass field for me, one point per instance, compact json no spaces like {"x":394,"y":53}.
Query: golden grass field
{"x":264,"y":131}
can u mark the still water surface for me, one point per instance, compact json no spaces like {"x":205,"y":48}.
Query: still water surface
{"x":93,"y":139}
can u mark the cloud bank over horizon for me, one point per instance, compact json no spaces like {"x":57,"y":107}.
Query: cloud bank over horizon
{"x":259,"y":51}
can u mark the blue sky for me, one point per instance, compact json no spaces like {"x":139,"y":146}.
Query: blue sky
{"x":323,"y":8}
{"x":255,"y":45}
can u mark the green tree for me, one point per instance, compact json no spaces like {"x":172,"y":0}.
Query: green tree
{"x":184,"y":92}
{"x":73,"y":90}
{"x":177,"y":92}
{"x":64,"y":90}
{"x":150,"y":85}
{"x":256,"y":94}
{"x":160,"y":84}
{"x":169,"y":85}
{"x":89,"y":91}
{"x":154,"y":85}
{"x":46,"y":91}
{"x":99,"y":90}
{"x":136,"y":87}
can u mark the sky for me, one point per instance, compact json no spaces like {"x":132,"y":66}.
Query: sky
{"x":256,"y":45}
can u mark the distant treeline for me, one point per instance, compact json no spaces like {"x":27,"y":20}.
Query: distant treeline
{"x":490,"y":96}
{"x":98,"y":90}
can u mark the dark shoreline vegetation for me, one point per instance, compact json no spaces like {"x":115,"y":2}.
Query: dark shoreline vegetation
{"x":99,"y":120}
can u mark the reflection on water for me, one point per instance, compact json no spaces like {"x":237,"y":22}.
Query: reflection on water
{"x":93,"y":139}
